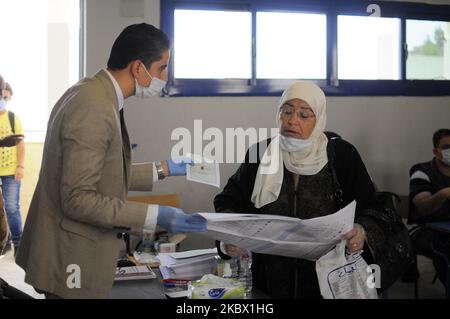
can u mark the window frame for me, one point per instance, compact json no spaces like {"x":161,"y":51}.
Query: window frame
{"x":331,"y":85}
{"x":82,"y":39}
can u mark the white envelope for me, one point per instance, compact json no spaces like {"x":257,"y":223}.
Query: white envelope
{"x":205,"y":173}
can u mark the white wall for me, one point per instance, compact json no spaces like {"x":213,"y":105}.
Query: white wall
{"x":391,"y":133}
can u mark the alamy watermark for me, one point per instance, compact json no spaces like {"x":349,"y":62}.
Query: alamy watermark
{"x":74,"y":277}
{"x":374,"y":9}
{"x":231,"y":146}
{"x":374,"y":279}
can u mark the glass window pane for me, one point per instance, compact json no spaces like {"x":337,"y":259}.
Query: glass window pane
{"x":50,"y":55}
{"x":428,"y":50}
{"x":368,"y":48}
{"x":212,"y":44}
{"x":291,"y":45}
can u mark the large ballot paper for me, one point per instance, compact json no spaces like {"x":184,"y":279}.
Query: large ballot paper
{"x":281,"y":235}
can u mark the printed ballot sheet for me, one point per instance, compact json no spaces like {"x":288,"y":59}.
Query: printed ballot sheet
{"x":204,"y":172}
{"x":281,"y":235}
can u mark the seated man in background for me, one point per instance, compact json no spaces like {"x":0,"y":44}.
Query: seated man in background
{"x":429,"y":195}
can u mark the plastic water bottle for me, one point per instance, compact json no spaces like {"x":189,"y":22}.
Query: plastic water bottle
{"x":245,"y":272}
{"x":240,"y":268}
{"x":147,"y":242}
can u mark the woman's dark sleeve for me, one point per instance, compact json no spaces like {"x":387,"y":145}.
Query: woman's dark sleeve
{"x":352,"y":173}
{"x":358,"y":185}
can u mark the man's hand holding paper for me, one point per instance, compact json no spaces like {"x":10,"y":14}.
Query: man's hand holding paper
{"x":178,"y":165}
{"x":174,"y":220}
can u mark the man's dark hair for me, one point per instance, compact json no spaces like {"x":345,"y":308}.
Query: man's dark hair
{"x":141,"y":42}
{"x":2,"y":83}
{"x":8,"y":88}
{"x":439,"y":134}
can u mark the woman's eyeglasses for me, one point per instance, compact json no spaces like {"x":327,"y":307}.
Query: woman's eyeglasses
{"x":289,"y":112}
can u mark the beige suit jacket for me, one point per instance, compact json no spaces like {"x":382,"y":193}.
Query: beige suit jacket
{"x":79,"y":206}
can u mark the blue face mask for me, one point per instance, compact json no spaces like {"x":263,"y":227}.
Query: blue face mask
{"x":2,"y":104}
{"x":155,"y":87}
{"x":291,"y":144}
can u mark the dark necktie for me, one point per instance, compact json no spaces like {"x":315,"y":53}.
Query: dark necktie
{"x":125,"y":143}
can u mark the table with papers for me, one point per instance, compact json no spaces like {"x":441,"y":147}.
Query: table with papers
{"x":187,"y":265}
{"x":154,"y":288}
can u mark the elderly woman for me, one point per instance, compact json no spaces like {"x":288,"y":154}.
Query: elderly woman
{"x":302,"y":187}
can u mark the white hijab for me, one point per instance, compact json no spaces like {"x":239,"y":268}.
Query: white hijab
{"x":308,"y":161}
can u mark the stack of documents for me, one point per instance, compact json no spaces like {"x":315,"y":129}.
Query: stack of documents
{"x":134,"y":273}
{"x":188,"y":265}
{"x":281,"y":235}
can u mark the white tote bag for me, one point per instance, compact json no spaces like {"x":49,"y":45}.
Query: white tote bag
{"x":344,"y":276}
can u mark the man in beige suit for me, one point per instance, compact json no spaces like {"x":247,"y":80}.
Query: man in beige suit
{"x":71,"y":239}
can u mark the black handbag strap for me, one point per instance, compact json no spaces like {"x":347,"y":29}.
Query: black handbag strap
{"x":338,"y":193}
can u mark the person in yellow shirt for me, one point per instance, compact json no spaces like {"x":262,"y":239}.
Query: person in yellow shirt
{"x":11,"y":167}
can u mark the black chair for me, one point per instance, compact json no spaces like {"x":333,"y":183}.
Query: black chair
{"x":416,"y":279}
{"x":441,"y":260}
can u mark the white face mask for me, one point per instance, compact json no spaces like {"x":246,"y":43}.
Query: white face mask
{"x":155,"y":87}
{"x":2,"y":104}
{"x":446,"y":157}
{"x":291,"y":144}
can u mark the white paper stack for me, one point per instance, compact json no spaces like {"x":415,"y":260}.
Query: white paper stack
{"x":188,"y":265}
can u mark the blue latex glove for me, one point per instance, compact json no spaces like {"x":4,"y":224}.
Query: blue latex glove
{"x":177,"y":165}
{"x":174,"y":220}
